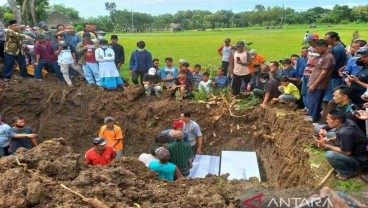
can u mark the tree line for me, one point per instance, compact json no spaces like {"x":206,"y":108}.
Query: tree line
{"x":33,"y":11}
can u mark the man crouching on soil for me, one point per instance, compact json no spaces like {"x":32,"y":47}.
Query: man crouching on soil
{"x":349,"y":152}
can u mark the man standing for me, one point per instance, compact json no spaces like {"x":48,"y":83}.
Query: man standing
{"x":319,"y":80}
{"x":239,"y":67}
{"x":351,"y":143}
{"x":87,"y":28}
{"x":312,"y":59}
{"x":45,"y":55}
{"x":113,"y":135}
{"x":225,"y":52}
{"x":21,"y":135}
{"x":119,"y":52}
{"x":140,"y":62}
{"x":13,"y":51}
{"x":338,"y":52}
{"x":66,"y":58}
{"x":181,"y":153}
{"x":194,"y":131}
{"x":87,"y":59}
{"x":169,"y":73}
{"x":48,"y":34}
{"x":301,"y":63}
{"x":100,"y":154}
{"x":71,"y":38}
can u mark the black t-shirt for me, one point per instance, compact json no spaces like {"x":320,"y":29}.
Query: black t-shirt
{"x":357,"y":90}
{"x":350,"y":138}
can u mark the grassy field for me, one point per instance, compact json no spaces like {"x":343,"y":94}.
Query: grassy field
{"x":200,"y":47}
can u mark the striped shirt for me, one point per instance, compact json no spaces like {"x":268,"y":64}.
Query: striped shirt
{"x":181,"y":152}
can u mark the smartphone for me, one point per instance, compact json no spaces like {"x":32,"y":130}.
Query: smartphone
{"x":354,"y":110}
{"x":237,"y":58}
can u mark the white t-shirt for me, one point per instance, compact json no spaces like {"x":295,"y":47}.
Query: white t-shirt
{"x":205,"y":85}
{"x":147,"y":158}
{"x":239,"y":69}
{"x":226,"y":51}
{"x":65,"y":56}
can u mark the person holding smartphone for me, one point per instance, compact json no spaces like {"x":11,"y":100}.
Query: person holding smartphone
{"x":239,"y":64}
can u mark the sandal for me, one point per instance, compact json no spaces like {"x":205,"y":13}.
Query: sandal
{"x":364,"y":177}
{"x":344,"y":178}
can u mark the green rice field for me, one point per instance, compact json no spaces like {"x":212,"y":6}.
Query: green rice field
{"x":200,"y":47}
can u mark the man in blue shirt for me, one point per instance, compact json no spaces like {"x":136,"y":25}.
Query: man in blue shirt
{"x":4,"y":141}
{"x":21,"y":135}
{"x":301,"y":63}
{"x":339,"y":53}
{"x":351,"y":67}
{"x":220,"y":81}
{"x":140,"y":62}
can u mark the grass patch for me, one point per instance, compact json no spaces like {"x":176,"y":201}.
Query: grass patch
{"x":351,"y":184}
{"x":316,"y":157}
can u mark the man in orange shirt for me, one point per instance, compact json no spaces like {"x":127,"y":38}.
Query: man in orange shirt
{"x":113,"y":135}
{"x":257,"y":59}
{"x":100,"y":154}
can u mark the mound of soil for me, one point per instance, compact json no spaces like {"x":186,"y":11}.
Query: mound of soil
{"x":76,"y":113}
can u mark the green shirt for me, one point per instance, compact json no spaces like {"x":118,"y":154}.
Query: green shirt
{"x":181,"y":152}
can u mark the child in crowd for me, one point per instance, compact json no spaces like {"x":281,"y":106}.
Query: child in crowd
{"x":290,"y":92}
{"x":220,"y":81}
{"x":289,"y":71}
{"x":110,"y":77}
{"x":184,"y":84}
{"x":197,"y":76}
{"x":205,"y":84}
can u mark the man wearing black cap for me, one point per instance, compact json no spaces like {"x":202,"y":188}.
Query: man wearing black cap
{"x":48,"y":34}
{"x":87,"y":59}
{"x":118,"y":50}
{"x":44,"y":51}
{"x":239,"y":67}
{"x":100,"y":154}
{"x":13,"y":51}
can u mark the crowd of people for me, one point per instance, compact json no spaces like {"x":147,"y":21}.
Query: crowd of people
{"x":328,"y":78}
{"x":69,"y":55}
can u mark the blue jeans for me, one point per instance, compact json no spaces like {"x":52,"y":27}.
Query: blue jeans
{"x":305,"y":80}
{"x":334,"y":82}
{"x":119,"y":153}
{"x":345,"y":165}
{"x":55,"y":67}
{"x":91,"y":72}
{"x":314,"y":104}
{"x":286,"y":97}
{"x":9,"y":61}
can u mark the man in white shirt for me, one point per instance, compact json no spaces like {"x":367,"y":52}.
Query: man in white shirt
{"x":239,"y":67}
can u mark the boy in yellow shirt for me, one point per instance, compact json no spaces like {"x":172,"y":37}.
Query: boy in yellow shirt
{"x":113,"y":135}
{"x":290,"y":92}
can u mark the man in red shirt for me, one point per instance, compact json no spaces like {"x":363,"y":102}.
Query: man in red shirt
{"x":100,"y":154}
{"x":44,"y":51}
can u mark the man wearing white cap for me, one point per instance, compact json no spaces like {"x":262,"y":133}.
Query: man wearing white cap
{"x":152,"y":82}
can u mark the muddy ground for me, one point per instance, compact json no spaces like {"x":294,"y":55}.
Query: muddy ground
{"x":76,"y":113}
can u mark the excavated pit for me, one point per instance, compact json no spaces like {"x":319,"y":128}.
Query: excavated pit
{"x":279,"y":137}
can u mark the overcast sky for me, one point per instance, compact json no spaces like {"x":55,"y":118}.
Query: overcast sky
{"x":88,"y":8}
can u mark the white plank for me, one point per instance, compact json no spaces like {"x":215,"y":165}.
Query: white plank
{"x":240,"y":165}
